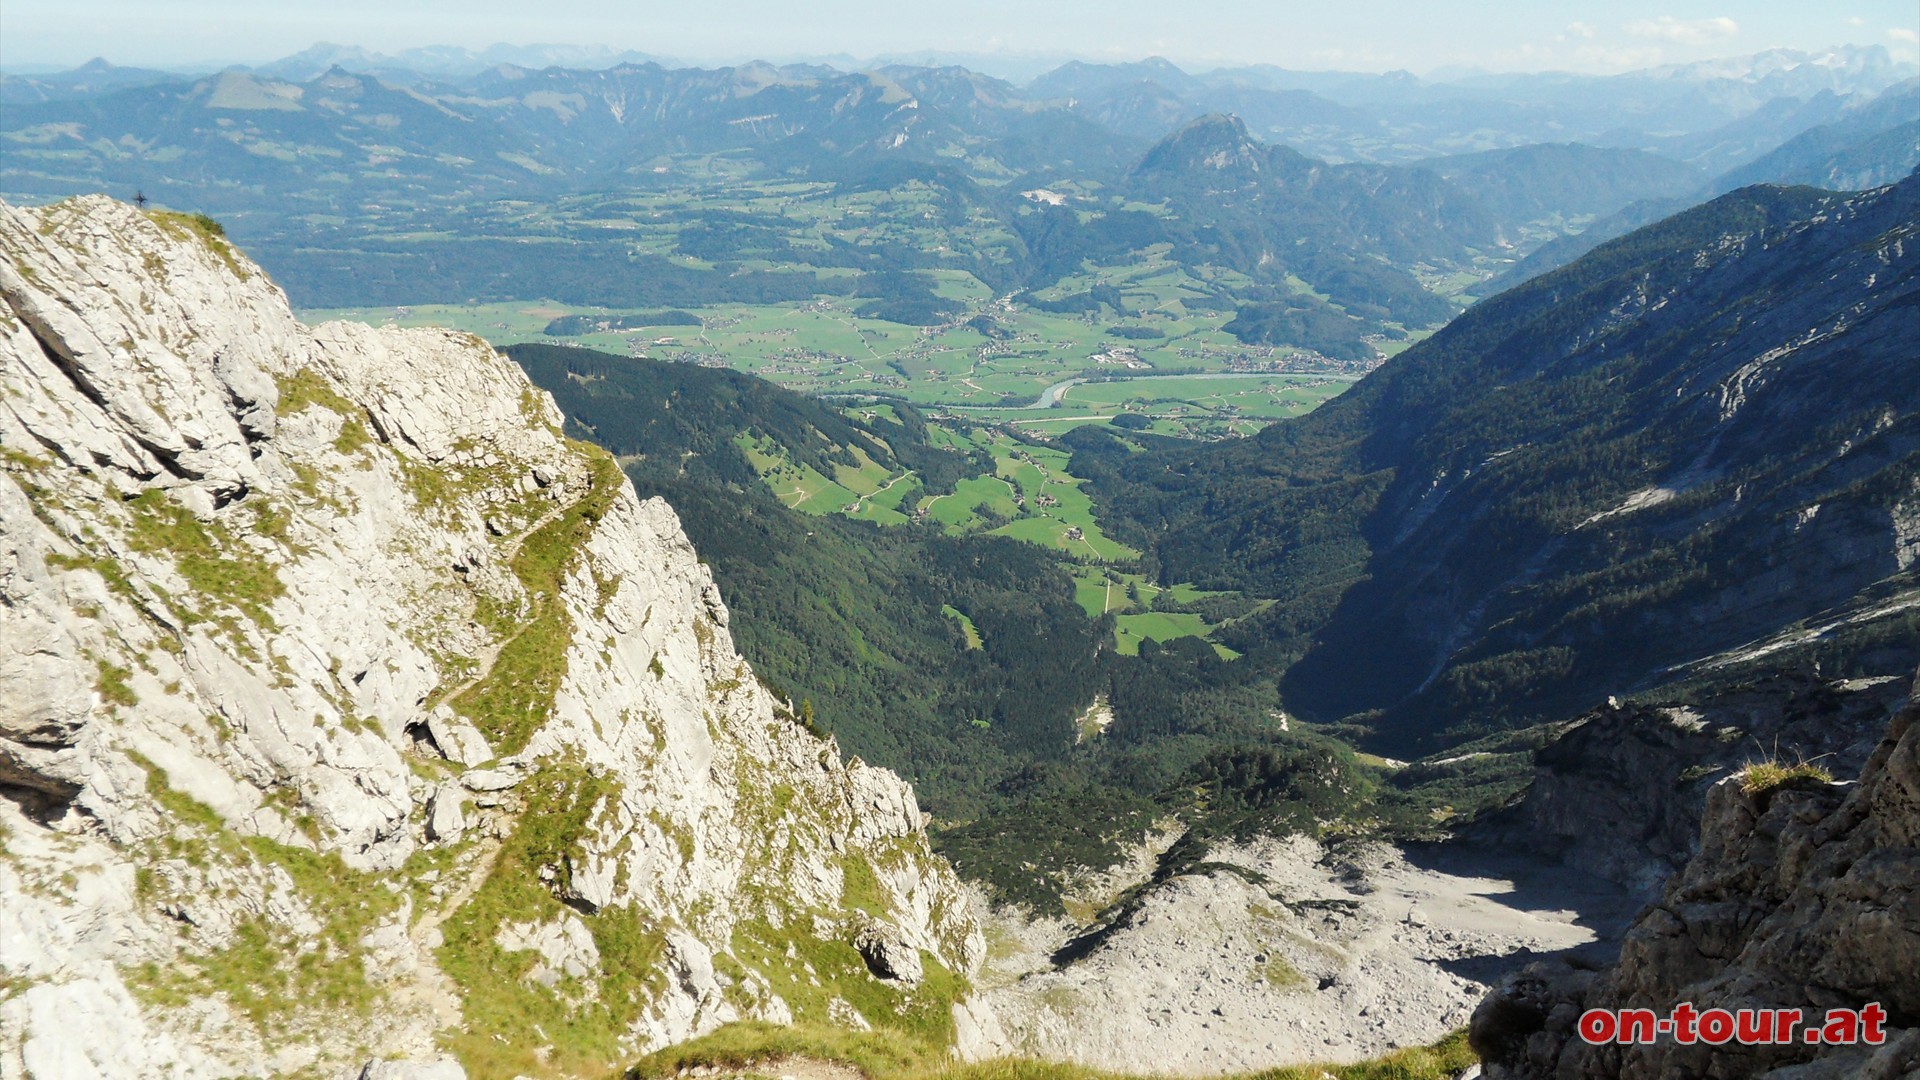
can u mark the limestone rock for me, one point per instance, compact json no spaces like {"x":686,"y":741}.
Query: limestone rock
{"x":1621,"y":791}
{"x":977,"y":1034}
{"x":271,"y":596}
{"x":888,"y":954}
{"x":1801,"y":896}
{"x":1275,"y":952}
{"x":445,"y":822}
{"x":443,"y":1069}
{"x":457,"y":739}
{"x":565,"y":947}
{"x":489,"y":779}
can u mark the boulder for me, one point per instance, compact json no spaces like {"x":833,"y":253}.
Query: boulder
{"x":889,"y":955}
{"x":441,"y":1069}
{"x":456,"y":739}
{"x":445,"y":821}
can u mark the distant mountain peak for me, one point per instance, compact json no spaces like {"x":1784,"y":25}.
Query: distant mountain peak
{"x":1218,"y":141}
{"x":1844,"y":68}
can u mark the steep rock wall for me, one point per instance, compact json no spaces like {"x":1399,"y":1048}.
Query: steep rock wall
{"x":1803,"y":895}
{"x":348,"y":710}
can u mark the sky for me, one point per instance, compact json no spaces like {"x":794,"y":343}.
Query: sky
{"x":1360,"y":35}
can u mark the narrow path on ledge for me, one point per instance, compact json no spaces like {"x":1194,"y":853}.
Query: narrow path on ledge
{"x":431,"y":987}
{"x":490,"y":654}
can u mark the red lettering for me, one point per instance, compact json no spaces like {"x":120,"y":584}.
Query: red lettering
{"x":1716,"y":1026}
{"x":1683,"y":1018}
{"x":1871,"y":1017}
{"x":1638,"y":1026}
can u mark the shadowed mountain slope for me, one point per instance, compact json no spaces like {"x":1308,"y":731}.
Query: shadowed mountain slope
{"x":1696,"y":437}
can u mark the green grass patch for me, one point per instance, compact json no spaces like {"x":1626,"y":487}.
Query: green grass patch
{"x":884,"y":1055}
{"x":306,"y":389}
{"x":974,"y":502}
{"x":112,"y":686}
{"x":212,"y":561}
{"x":802,"y":487}
{"x":207,"y":231}
{"x":808,"y":973}
{"x":1130,"y":630}
{"x":517,"y":695}
{"x":1280,"y":974}
{"x":974,"y":640}
{"x":269,"y":973}
{"x":563,"y":801}
{"x":1092,"y":590}
{"x":879,"y":1053}
{"x":886,"y":506}
{"x":1764,"y":776}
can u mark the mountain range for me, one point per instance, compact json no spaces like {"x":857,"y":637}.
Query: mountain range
{"x":1684,"y":460}
{"x":1146,"y":99}
{"x":1266,"y":556}
{"x":307,"y":164}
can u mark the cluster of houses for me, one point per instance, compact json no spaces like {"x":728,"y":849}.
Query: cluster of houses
{"x":1122,"y":356}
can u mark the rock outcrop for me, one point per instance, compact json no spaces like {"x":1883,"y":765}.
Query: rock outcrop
{"x":1620,"y":791}
{"x":1803,"y":895}
{"x":352,"y":717}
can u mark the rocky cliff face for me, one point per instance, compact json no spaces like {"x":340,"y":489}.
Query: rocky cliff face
{"x":348,"y":711}
{"x":1802,"y":896}
{"x":1621,"y":791}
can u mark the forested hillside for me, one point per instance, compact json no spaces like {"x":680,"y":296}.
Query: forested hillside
{"x":1569,"y":493}
{"x":1697,"y":436}
{"x":1010,"y":720}
{"x":843,"y":616}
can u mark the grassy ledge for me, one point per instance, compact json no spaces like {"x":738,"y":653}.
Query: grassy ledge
{"x":516,"y":697}
{"x":883,"y":1055}
{"x":1764,"y":776}
{"x":576,"y":1027}
{"x":209,"y":232}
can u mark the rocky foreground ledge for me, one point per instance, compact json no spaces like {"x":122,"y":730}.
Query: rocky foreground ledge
{"x":349,"y":712}
{"x":1805,"y":894}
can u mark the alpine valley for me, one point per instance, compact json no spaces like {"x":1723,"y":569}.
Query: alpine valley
{"x":899,"y":573}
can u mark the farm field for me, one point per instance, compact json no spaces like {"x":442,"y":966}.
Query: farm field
{"x":1138,"y":339}
{"x":1137,"y":313}
{"x":972,"y":633}
{"x":819,"y":348}
{"x":1030,"y":495}
{"x":1156,"y":625}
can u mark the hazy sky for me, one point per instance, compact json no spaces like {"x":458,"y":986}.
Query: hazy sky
{"x":1374,"y":35}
